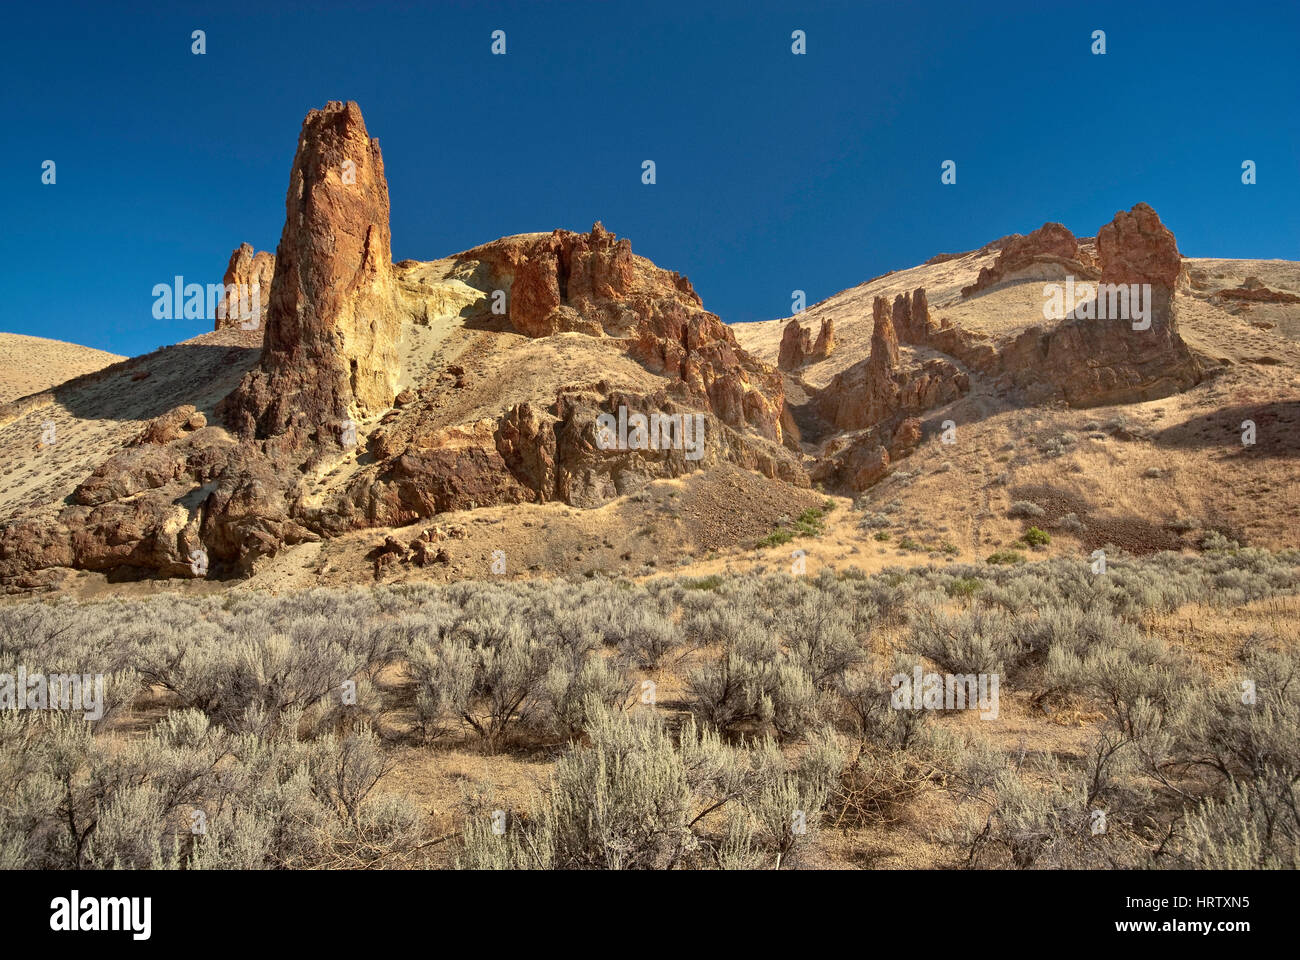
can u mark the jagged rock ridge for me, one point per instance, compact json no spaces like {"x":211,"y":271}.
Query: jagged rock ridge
{"x":184,"y":487}
{"x":330,"y":360}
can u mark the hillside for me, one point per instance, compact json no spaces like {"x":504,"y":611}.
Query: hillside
{"x":1142,"y":475}
{"x":419,"y":420}
{"x":32,"y":364}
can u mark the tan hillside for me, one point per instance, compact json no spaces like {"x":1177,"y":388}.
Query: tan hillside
{"x":31,"y":364}
{"x":1131,"y":473}
{"x":408,"y":421}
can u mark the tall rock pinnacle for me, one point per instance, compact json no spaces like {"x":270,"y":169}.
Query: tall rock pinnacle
{"x":330,"y":351}
{"x":798,"y":348}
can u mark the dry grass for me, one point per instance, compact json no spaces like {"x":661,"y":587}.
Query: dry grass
{"x":31,"y":364}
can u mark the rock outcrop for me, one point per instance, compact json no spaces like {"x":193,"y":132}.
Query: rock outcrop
{"x":1117,"y":357}
{"x":1025,"y":256}
{"x":538,"y":453}
{"x":911,"y":318}
{"x":824,"y":345}
{"x":181,"y":488}
{"x":566,"y":282}
{"x":1253,"y":289}
{"x":878,"y":390}
{"x":592,"y":275}
{"x":136,"y":511}
{"x":248,"y":275}
{"x":872,"y":407}
{"x":796,"y":344}
{"x":1135,"y":247}
{"x":1101,"y":352}
{"x":858,"y":461}
{"x":330,"y":350}
{"x":172,"y":425}
{"x":798,"y":347}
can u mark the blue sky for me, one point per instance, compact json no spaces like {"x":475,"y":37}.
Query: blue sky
{"x":774,"y":171}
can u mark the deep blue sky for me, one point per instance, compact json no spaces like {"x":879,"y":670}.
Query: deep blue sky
{"x":775,"y":171}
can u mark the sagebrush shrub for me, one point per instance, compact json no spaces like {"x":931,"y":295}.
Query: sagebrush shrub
{"x":634,"y":797}
{"x":1255,"y":826}
{"x":246,"y":731}
{"x":980,"y":640}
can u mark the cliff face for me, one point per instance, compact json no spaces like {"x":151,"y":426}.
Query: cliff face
{"x":592,"y":284}
{"x":1117,"y":357}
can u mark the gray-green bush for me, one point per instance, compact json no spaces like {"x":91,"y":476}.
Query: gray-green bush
{"x":272,"y":721}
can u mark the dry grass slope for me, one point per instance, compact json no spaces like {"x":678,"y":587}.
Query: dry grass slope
{"x":32,"y":364}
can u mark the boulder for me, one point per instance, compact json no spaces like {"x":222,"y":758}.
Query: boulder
{"x":172,"y":425}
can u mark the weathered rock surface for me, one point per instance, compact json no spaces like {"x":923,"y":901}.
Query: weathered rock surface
{"x":1253,"y":289}
{"x":535,"y":453}
{"x":1135,"y":247}
{"x":250,"y":274}
{"x":856,"y":462}
{"x":1091,"y":361}
{"x":172,"y":425}
{"x":824,"y":345}
{"x":1084,"y":360}
{"x":566,"y":282}
{"x":330,"y":350}
{"x":129,"y":472}
{"x":250,"y":514}
{"x":798,"y":347}
{"x":796,"y":344}
{"x":911,"y":318}
{"x":877,"y":390}
{"x":1051,"y":243}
